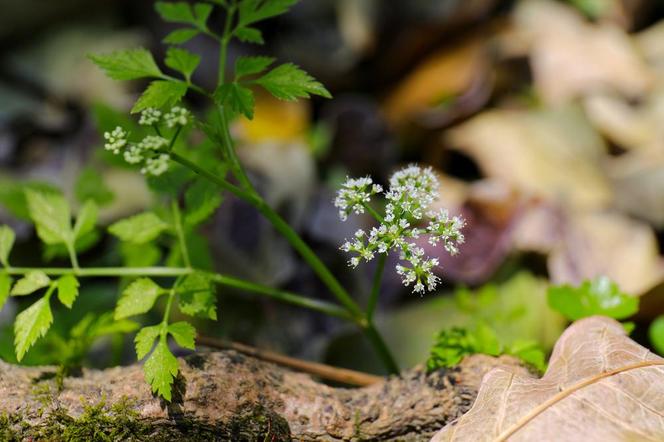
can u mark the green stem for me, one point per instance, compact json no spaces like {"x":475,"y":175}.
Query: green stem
{"x":375,"y":289}
{"x":177,"y":218}
{"x":72,"y":255}
{"x":229,"y":281}
{"x":229,"y":149}
{"x":169,"y":304}
{"x":282,"y":227}
{"x":291,"y":298}
{"x":373,"y":212}
{"x":225,"y":40}
{"x":379,"y":345}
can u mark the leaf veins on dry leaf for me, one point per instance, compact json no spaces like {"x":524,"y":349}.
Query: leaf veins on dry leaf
{"x":600,"y":386}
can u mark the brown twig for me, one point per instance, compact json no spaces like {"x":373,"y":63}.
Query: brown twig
{"x":323,"y":371}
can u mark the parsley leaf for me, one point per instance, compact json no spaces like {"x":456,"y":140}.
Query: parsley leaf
{"x":86,"y":220}
{"x":160,"y":370}
{"x":184,"y":334}
{"x":31,"y":324}
{"x":249,"y":35}
{"x":137,"y":298}
{"x":7,"y":237}
{"x":144,"y":340}
{"x":5,"y":287}
{"x":252,"y":11}
{"x":51,"y":215}
{"x":182,"y":61}
{"x":251,"y":65}
{"x":600,"y":296}
{"x":180,"y":36}
{"x":139,"y":229}
{"x":238,"y":98}
{"x":160,"y":94}
{"x":201,"y":200}
{"x":289,"y":82}
{"x":67,"y":290}
{"x":196,"y":296}
{"x":30,"y":283}
{"x":128,"y":64}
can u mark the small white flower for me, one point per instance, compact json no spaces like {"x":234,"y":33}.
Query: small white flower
{"x":115,"y":140}
{"x":354,"y":194}
{"x":157,"y":165}
{"x":133,"y":154}
{"x":153,"y":142}
{"x":178,"y":116}
{"x":149,"y":117}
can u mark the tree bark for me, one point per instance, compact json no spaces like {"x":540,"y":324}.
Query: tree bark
{"x":228,"y":396}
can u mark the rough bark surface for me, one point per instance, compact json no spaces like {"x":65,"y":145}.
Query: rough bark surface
{"x":229,"y":396}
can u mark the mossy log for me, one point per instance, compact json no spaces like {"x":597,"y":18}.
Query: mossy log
{"x":226,"y":396}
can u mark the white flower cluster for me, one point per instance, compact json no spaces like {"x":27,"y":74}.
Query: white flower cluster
{"x":177,"y":116}
{"x":148,"y":151}
{"x":354,"y":194}
{"x":412,"y":190}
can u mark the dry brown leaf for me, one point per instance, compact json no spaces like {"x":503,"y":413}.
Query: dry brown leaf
{"x":600,"y":386}
{"x":445,"y":76}
{"x":607,"y":243}
{"x":572,"y":57}
{"x":551,"y":154}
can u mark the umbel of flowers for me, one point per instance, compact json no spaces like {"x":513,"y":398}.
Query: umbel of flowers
{"x":152,"y":152}
{"x":407,"y":217}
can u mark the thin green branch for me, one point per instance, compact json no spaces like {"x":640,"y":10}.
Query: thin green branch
{"x":182,"y":241}
{"x":281,"y":295}
{"x":375,"y":288}
{"x":379,"y":344}
{"x":373,"y":212}
{"x":71,"y":249}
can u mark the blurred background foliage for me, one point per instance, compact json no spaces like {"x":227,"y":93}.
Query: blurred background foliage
{"x":543,"y":118}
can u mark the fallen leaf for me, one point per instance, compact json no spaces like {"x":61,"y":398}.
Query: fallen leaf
{"x":553,"y":154}
{"x":571,"y":57}
{"x":600,"y":386}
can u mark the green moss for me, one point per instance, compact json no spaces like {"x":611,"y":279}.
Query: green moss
{"x":121,"y":422}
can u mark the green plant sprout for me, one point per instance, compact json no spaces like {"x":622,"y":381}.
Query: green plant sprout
{"x":190,"y":182}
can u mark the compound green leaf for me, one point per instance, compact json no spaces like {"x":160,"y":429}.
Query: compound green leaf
{"x":251,"y":65}
{"x":7,"y":237}
{"x":139,"y":229}
{"x":289,"y":82}
{"x":196,"y":296}
{"x":30,"y":283}
{"x":600,"y":296}
{"x":182,"y":61}
{"x":144,"y":340}
{"x":67,"y":290}
{"x":128,"y":64}
{"x":180,"y":36}
{"x":160,"y":370}
{"x":31,"y":324}
{"x":139,"y":297}
{"x":86,"y":220}
{"x":160,"y":94}
{"x":184,"y":334}
{"x":238,"y":98}
{"x":51,"y":215}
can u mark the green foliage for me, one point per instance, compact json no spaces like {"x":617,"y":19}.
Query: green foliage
{"x":197,"y":296}
{"x":245,"y":66}
{"x":160,"y":94}
{"x":67,"y":290}
{"x":138,"y":298}
{"x":252,"y":11}
{"x":51,"y":215}
{"x":597,"y":297}
{"x":30,"y":283}
{"x":182,"y":61}
{"x":7,"y":237}
{"x":31,"y":324}
{"x":91,"y":187}
{"x":453,"y":344}
{"x":184,"y":334}
{"x":249,"y":35}
{"x":180,"y":36}
{"x":86,"y":220}
{"x":128,"y":65}
{"x":656,"y":334}
{"x":239,"y":99}
{"x":144,"y":340}
{"x":289,"y":82}
{"x":5,"y":288}
{"x":201,"y":199}
{"x":160,"y":370}
{"x":183,"y":12}
{"x":139,"y":229}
